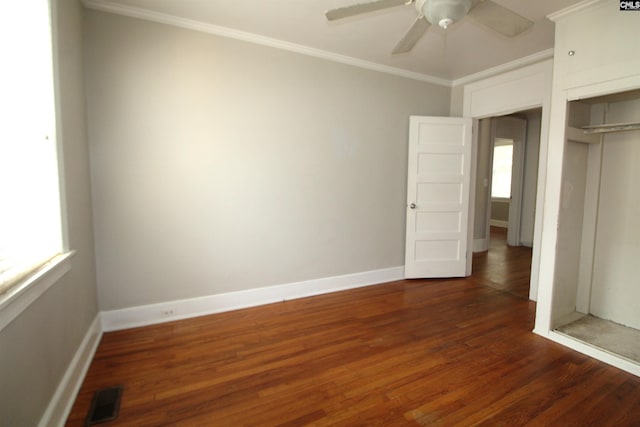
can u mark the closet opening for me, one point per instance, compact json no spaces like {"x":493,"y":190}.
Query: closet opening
{"x":596,"y":290}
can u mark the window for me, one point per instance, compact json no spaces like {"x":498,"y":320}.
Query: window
{"x":502,"y":161}
{"x":30,"y":219}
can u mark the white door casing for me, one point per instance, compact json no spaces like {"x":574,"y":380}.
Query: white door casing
{"x":519,"y":90}
{"x":438,"y":194}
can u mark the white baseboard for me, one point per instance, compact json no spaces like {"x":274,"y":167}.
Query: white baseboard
{"x":527,"y":243}
{"x":65,"y":395}
{"x":499,"y":223}
{"x":593,"y":351}
{"x":480,"y":245}
{"x":193,"y":307}
{"x":62,"y":401}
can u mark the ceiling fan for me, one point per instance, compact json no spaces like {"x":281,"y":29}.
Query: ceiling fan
{"x":443,"y":13}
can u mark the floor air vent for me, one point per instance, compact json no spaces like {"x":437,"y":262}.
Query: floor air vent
{"x":104,"y":406}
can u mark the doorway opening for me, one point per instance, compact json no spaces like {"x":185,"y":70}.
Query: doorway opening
{"x":506,"y":189}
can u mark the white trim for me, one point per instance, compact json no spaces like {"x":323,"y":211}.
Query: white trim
{"x":182,"y":309}
{"x":65,"y":395}
{"x":499,"y":223}
{"x":15,"y":300}
{"x":501,"y":199}
{"x":503,"y":68}
{"x":148,"y":15}
{"x":475,"y":137}
{"x":498,"y":96}
{"x":592,"y":351}
{"x":480,"y":245}
{"x":140,"y":13}
{"x":603,"y":88}
{"x":570,"y":10}
{"x":510,"y":92}
{"x":527,"y":243}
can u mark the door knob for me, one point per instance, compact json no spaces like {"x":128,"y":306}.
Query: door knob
{"x":412,"y":205}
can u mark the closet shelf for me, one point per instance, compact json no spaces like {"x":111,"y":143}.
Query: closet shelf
{"x":591,"y":134}
{"x":578,"y":135}
{"x":613,"y":127}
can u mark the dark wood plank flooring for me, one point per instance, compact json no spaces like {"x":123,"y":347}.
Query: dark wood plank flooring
{"x":507,"y":268}
{"x":454,"y":352}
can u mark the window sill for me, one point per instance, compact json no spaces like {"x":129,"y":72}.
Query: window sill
{"x":19,"y":297}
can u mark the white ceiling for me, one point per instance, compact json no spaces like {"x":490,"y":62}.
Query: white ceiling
{"x":466,"y":49}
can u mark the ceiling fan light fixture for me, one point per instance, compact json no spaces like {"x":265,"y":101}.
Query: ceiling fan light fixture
{"x":445,"y":12}
{"x":445,"y":22}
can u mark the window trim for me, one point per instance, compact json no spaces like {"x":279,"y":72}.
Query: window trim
{"x":21,"y":295}
{"x":501,"y":199}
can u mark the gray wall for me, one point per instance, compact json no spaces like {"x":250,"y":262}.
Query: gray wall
{"x":483,"y":175}
{"x":457,"y":101}
{"x":36,"y":348}
{"x":220,"y":165}
{"x":500,"y":210}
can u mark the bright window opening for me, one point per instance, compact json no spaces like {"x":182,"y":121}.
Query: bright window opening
{"x":502,"y":164}
{"x":30,"y":224}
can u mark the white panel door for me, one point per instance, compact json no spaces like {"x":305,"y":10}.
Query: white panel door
{"x":438,"y":191}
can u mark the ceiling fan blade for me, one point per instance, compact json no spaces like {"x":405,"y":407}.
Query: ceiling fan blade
{"x":357,"y":9}
{"x":499,"y":18}
{"x":413,"y":34}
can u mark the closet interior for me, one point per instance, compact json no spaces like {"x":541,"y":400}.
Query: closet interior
{"x":596,"y":292}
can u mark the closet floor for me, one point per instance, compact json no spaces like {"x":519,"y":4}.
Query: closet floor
{"x":610,"y":336}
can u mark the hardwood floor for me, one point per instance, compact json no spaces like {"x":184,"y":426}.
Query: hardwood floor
{"x":503,"y":267}
{"x":452,"y":352}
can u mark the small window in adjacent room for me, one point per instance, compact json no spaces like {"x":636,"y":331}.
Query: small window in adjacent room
{"x":502,"y":162}
{"x":30,"y":217}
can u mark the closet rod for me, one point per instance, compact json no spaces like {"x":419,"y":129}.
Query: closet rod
{"x":613,"y":127}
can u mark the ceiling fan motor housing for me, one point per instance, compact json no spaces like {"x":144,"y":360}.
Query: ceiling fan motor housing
{"x":444,"y":12}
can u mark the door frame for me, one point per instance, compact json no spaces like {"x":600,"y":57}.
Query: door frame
{"x":521,"y":89}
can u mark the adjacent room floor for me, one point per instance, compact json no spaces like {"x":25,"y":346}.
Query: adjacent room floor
{"x":413,"y":352}
{"x":503,"y":267}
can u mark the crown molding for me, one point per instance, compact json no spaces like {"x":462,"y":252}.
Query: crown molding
{"x":503,"y":68}
{"x":556,"y":16}
{"x":135,"y":12}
